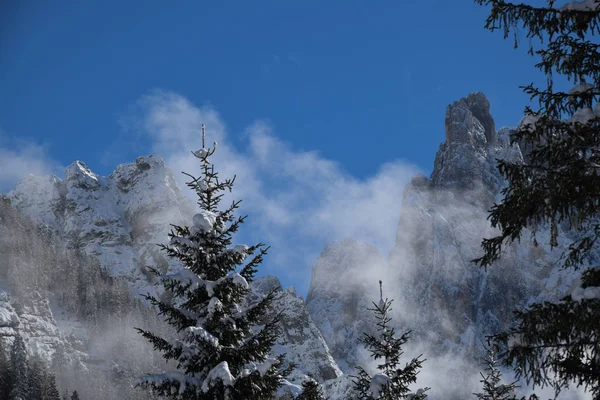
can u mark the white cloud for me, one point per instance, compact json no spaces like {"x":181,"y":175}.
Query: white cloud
{"x":297,"y":200}
{"x":20,"y":157}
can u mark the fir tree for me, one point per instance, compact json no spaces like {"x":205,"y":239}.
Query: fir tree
{"x":311,"y":390}
{"x":20,"y":370}
{"x":392,"y":380}
{"x":223,"y":342}
{"x":50,"y":390}
{"x":36,"y":379}
{"x":558,"y":185}
{"x":493,"y":389}
{"x":74,"y":395}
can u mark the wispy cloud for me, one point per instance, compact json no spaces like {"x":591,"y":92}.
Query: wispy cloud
{"x":297,"y":200}
{"x":21,"y":157}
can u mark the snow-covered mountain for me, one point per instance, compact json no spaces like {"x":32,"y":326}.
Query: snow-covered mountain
{"x":119,"y":219}
{"x":449,"y":303}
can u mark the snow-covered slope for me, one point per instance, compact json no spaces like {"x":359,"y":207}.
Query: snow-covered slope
{"x":120,"y":219}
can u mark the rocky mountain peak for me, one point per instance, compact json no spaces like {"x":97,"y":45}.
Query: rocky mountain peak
{"x":81,"y":176}
{"x":466,"y":160}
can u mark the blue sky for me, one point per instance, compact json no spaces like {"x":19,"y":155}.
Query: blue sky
{"x":358,"y":85}
{"x":328,"y":75}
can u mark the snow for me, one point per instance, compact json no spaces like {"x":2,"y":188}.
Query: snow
{"x":8,"y":318}
{"x":181,"y":241}
{"x":239,"y":280}
{"x":584,"y":87}
{"x":265,"y":366}
{"x":184,"y":276}
{"x":205,"y":220}
{"x":588,"y":293}
{"x":582,"y":116}
{"x":201,"y":154}
{"x":378,"y":383}
{"x":200,"y":332}
{"x":585,"y":5}
{"x":167,"y":377}
{"x":240,"y":248}
{"x":220,"y":372}
{"x":529,"y":122}
{"x":419,"y":392}
{"x":214,"y":305}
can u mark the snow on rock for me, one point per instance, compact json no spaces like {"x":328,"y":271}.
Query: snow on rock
{"x":9,"y":320}
{"x":119,"y":218}
{"x":301,"y":340}
{"x":35,"y":322}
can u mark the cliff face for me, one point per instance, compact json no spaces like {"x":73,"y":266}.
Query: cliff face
{"x":343,"y":286}
{"x":448,"y":302}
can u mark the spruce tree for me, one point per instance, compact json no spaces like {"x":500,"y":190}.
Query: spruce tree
{"x":50,"y":390}
{"x":20,"y":370}
{"x":223,"y":343}
{"x":74,"y":395}
{"x":558,"y":186}
{"x":36,"y":379}
{"x":311,"y":390}
{"x":493,"y":388}
{"x":392,"y":380}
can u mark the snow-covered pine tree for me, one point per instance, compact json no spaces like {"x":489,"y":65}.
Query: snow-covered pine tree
{"x":74,"y":395}
{"x":36,"y":378}
{"x":392,"y":380}
{"x":223,"y":344}
{"x":557,"y":186}
{"x":20,"y":370}
{"x":311,"y":390}
{"x":50,"y":390}
{"x":493,"y":388}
